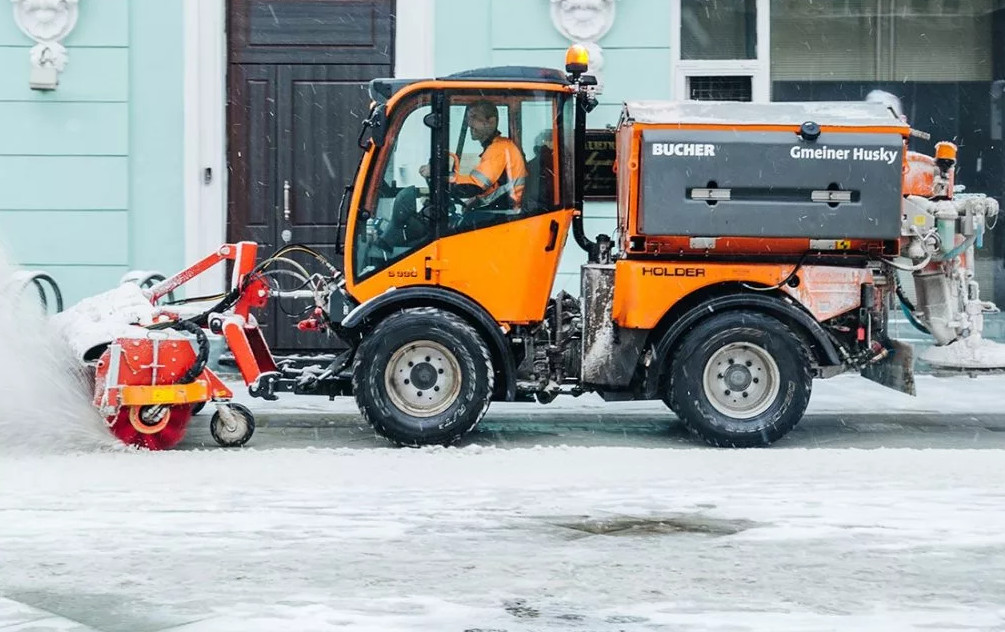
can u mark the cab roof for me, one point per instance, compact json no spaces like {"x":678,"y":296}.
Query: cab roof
{"x":382,"y":90}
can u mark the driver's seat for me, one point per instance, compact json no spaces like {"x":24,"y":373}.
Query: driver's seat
{"x":539,"y":190}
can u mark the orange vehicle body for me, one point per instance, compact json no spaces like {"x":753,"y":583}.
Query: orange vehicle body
{"x":471,"y":263}
{"x":487,"y":265}
{"x":644,"y":291}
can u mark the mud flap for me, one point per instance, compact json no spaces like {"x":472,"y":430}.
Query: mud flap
{"x":896,"y":370}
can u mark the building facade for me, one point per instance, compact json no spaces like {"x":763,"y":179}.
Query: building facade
{"x":91,"y":172}
{"x":178,"y":124}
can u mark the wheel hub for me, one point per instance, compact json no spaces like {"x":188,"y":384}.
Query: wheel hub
{"x":741,"y":380}
{"x":738,"y":377}
{"x":423,"y":378}
{"x":149,"y":420}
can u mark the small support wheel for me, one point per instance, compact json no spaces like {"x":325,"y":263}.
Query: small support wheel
{"x":232,"y":425}
{"x":545,"y":397}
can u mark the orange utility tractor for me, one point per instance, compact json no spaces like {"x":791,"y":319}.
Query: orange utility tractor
{"x":757,"y":247}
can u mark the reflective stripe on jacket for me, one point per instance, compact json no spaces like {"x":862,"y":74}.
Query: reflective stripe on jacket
{"x":499,"y":179}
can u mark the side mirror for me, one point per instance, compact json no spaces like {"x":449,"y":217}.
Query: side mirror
{"x":374,"y":127}
{"x":432,"y":120}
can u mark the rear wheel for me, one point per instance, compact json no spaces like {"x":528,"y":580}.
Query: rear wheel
{"x":740,"y":379}
{"x":423,"y":376}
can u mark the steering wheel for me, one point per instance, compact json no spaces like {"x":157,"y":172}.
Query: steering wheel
{"x":456,"y":204}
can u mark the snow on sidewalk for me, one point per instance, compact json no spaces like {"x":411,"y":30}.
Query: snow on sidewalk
{"x":517,"y":540}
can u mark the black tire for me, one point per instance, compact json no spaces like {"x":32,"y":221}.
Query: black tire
{"x":670,"y":402}
{"x":423,"y":376}
{"x":722,"y":376}
{"x":238,"y":435}
{"x":197,"y":407}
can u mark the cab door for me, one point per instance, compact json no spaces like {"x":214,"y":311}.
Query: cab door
{"x":506,"y":256}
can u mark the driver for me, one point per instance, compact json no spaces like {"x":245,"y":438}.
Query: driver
{"x":497,"y":183}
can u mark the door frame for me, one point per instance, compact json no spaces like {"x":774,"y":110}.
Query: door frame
{"x":205,"y":126}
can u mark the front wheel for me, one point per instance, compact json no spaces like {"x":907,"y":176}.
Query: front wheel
{"x":232,"y":425}
{"x":740,"y":379}
{"x":423,"y":376}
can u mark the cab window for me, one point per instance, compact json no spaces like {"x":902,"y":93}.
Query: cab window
{"x":504,"y":157}
{"x":398,"y":217}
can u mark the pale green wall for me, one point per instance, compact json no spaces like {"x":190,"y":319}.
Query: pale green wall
{"x":477,"y":33}
{"x":156,"y":148}
{"x":90,"y":174}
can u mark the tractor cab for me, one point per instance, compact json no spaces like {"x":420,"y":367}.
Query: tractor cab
{"x":471,"y":170}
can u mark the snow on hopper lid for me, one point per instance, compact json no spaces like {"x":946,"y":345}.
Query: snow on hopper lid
{"x":831,"y":113}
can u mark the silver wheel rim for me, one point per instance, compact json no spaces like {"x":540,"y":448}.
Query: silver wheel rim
{"x":231,"y":426}
{"x":423,"y":378}
{"x":741,"y":380}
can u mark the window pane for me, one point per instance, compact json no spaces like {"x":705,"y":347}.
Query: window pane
{"x":882,"y":40}
{"x":507,"y":144}
{"x":538,"y":142}
{"x":718,"y":29}
{"x":938,"y":57}
{"x":715,"y":88}
{"x":400,"y":221}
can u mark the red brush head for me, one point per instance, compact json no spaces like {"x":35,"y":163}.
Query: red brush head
{"x":134,"y":426}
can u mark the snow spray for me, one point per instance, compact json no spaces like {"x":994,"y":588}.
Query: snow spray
{"x":45,"y":395}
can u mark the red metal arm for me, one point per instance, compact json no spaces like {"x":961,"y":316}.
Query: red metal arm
{"x":244,"y":338}
{"x":243,"y":255}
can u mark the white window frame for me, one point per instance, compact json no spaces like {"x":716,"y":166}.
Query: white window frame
{"x":759,"y":69}
{"x":205,"y":145}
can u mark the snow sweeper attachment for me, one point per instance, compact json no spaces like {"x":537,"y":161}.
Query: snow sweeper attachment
{"x":148,"y":356}
{"x":148,"y":359}
{"x":149,"y":382}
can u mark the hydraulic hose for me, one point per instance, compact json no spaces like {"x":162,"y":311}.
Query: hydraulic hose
{"x":579,"y":233}
{"x":914,"y":321}
{"x":958,"y":250}
{"x":202,"y":355}
{"x":908,"y":308}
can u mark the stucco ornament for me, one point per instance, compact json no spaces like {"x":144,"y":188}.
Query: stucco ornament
{"x":47,"y":22}
{"x":585,"y":22}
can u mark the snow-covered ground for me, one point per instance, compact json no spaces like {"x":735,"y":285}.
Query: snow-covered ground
{"x":488,"y":539}
{"x":97,"y":537}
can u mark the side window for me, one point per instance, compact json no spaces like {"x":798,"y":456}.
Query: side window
{"x":540,"y":141}
{"x":503,"y":158}
{"x":400,"y":219}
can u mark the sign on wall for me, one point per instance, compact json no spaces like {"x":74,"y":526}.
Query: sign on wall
{"x":600,"y":183}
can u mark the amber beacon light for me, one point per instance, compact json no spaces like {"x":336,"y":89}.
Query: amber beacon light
{"x":577,"y":60}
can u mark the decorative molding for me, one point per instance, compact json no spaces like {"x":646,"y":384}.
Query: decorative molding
{"x":47,"y":22}
{"x":585,"y":22}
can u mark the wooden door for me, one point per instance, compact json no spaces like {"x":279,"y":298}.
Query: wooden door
{"x":297,"y":93}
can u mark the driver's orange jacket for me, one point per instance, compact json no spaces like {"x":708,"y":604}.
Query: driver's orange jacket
{"x":499,"y":179}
